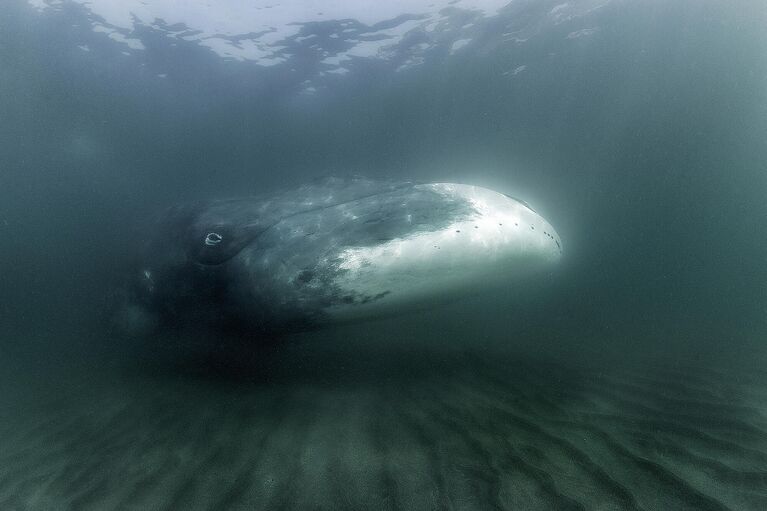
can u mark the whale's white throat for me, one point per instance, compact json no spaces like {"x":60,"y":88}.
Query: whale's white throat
{"x":501,"y":239}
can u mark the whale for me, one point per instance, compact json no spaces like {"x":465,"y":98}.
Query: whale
{"x":333,"y":251}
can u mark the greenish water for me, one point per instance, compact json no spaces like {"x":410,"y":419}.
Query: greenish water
{"x":629,"y":378}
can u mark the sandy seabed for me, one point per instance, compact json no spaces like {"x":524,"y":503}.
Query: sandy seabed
{"x":397,"y":430}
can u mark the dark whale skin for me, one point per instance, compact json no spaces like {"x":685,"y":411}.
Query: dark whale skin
{"x":268,"y":265}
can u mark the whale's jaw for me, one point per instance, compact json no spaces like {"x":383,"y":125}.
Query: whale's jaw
{"x":502,"y":239}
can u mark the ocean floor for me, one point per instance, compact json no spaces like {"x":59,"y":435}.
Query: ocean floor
{"x":399,"y":429}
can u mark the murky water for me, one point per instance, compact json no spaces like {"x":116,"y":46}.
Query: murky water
{"x":630,"y":376}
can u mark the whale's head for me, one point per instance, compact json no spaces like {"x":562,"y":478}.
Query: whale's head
{"x":479,"y":239}
{"x":498,"y":229}
{"x":342,"y":250}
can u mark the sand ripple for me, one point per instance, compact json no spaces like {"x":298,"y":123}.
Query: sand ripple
{"x":456,"y":432}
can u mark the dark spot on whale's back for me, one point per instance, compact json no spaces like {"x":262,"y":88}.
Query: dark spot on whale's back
{"x":305,"y":276}
{"x":368,"y":299}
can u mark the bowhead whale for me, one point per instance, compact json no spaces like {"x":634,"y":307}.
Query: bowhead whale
{"x":334,"y":251}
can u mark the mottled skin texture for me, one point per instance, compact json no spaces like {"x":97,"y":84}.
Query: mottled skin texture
{"x":274,"y":268}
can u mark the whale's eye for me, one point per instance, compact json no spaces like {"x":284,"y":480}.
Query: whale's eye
{"x":217,"y":243}
{"x":213,"y":238}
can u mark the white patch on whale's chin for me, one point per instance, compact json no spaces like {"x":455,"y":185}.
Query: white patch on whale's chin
{"x":502,"y":239}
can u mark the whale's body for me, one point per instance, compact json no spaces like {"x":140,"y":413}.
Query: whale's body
{"x":338,"y":250}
